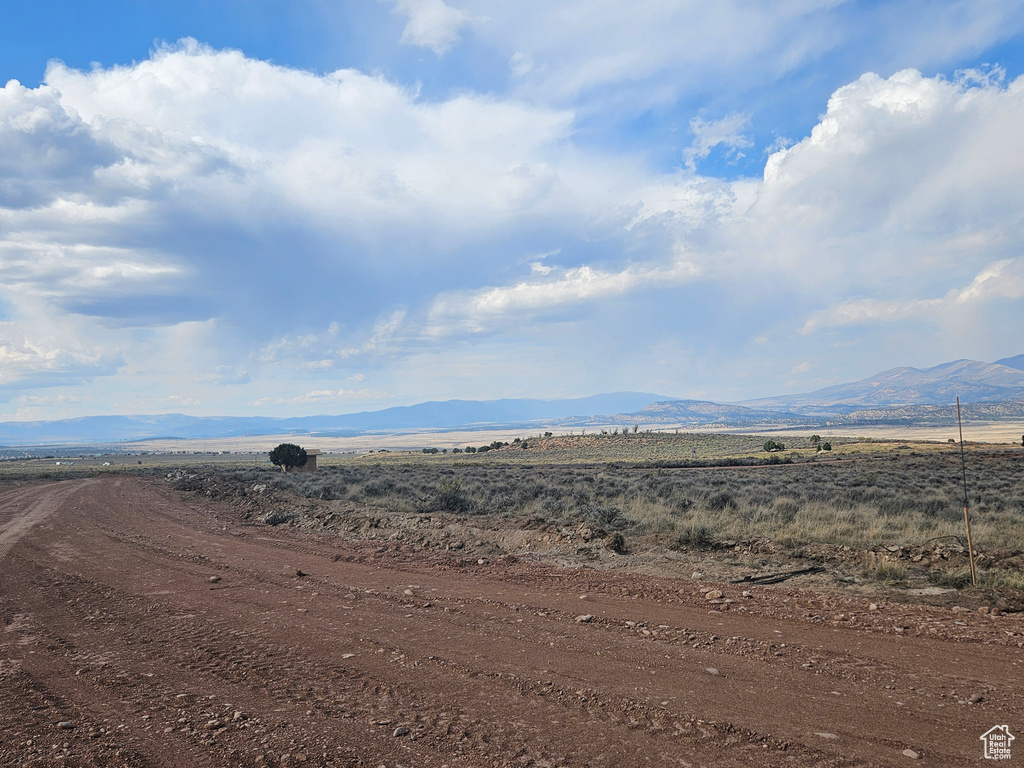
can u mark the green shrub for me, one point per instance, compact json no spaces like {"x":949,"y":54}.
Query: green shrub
{"x":449,"y":496}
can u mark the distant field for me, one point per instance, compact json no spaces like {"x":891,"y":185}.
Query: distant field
{"x":988,"y":433}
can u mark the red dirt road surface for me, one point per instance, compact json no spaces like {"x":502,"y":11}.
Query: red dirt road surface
{"x":141,"y":628}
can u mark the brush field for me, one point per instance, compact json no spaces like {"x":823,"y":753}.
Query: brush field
{"x":874,"y":512}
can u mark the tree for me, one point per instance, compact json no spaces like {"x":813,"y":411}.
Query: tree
{"x":288,"y":456}
{"x":771,"y":445}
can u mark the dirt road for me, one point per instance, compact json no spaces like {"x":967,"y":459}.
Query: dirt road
{"x":141,"y":629}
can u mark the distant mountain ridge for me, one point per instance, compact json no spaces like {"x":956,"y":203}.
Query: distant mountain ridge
{"x":970,"y":380}
{"x":1017,"y":361}
{"x":897,"y":396}
{"x":446,"y":414}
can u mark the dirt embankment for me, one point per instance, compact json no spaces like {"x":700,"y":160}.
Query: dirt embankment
{"x":141,"y":628}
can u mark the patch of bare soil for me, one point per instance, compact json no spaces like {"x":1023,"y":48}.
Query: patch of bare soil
{"x":141,"y":627}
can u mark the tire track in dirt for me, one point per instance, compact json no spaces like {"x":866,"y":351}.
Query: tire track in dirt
{"x":24,"y":508}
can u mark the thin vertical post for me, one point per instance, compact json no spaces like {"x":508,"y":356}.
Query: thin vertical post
{"x":967,"y":518}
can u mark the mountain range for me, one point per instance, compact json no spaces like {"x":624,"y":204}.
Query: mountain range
{"x":900,"y":395}
{"x":969,"y":380}
{"x":447,"y":414}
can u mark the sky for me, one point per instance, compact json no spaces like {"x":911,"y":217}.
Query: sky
{"x":246,"y":207}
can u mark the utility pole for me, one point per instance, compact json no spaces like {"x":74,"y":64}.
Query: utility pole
{"x":967,"y":519}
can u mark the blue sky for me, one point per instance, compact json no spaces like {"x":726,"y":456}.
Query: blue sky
{"x":254,"y":207}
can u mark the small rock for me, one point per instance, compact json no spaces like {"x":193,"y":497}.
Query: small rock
{"x":696,"y":575}
{"x":585,"y":618}
{"x":214,"y":579}
{"x":983,"y":609}
{"x":482,"y":561}
{"x":873,"y":607}
{"x":713,"y":671}
{"x":976,"y":698}
{"x":408,"y":592}
{"x":911,"y":754}
{"x":826,"y":735}
{"x":401,"y":731}
{"x":212,"y":725}
{"x":747,"y":593}
{"x":65,"y":725}
{"x":714,"y":594}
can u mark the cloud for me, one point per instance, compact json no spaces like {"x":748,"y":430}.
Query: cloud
{"x":44,"y":150}
{"x":202,"y":223}
{"x":520,"y":63}
{"x":477,"y":309}
{"x":905,"y":178}
{"x":324,"y":350}
{"x":48,"y":353}
{"x":322,"y":396}
{"x":368,"y":149}
{"x":616,"y":59}
{"x":431,"y":24}
{"x":68,"y":272}
{"x":225,"y":375}
{"x":729,"y":132}
{"x":999,"y":280}
{"x":570,"y":48}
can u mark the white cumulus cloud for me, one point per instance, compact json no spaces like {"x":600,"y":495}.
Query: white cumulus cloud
{"x":431,"y":23}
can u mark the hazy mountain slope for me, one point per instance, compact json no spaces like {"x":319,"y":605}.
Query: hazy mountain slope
{"x":969,"y":379}
{"x":430,"y":415}
{"x":1017,"y":361}
{"x":688,"y":413}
